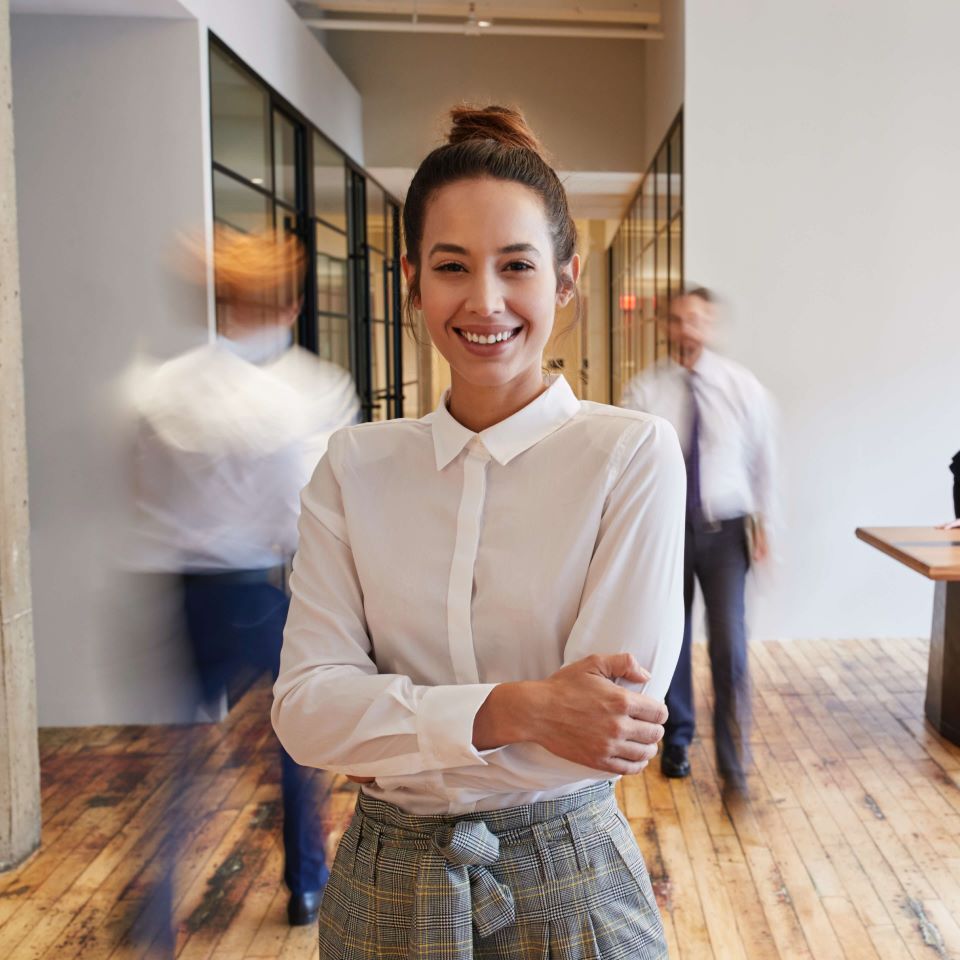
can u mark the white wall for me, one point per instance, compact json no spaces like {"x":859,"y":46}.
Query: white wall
{"x":663,"y":79}
{"x":822,"y":197}
{"x":268,"y":36}
{"x":109,"y":168}
{"x":113,"y":160}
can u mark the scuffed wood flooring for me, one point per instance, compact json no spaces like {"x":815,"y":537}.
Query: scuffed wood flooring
{"x":849,"y":847}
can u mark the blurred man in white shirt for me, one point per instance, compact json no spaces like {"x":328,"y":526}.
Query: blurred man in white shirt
{"x":723,"y":417}
{"x":227,"y":435}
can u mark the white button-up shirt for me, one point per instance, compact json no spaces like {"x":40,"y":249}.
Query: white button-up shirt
{"x":736,"y":430}
{"x":435,"y":563}
{"x":227,"y":434}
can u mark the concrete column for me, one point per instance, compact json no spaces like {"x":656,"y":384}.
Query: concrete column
{"x":19,"y":759}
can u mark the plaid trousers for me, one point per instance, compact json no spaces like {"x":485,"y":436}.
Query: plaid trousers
{"x":555,"y":880}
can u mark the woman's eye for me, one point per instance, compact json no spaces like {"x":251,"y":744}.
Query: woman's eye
{"x":519,"y":266}
{"x":451,"y":267}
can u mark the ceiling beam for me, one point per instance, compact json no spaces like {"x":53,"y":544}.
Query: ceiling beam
{"x":497,"y":30}
{"x":604,"y":11}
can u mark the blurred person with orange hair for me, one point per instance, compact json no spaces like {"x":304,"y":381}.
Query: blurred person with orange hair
{"x":227,"y":435}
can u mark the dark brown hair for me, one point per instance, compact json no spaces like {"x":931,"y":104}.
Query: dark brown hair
{"x":492,"y":142}
{"x":702,"y":293}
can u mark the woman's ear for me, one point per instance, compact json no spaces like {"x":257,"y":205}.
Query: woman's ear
{"x":567,"y":280}
{"x":410,"y":275}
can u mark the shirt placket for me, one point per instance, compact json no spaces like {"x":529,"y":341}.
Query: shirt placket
{"x":460,"y":591}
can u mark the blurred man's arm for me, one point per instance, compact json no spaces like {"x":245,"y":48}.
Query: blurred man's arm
{"x":763,"y":473}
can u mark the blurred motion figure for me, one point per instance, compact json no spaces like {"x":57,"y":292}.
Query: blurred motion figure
{"x":723,"y":417}
{"x":227,"y":435}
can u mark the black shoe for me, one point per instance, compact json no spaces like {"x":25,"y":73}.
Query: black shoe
{"x":674,"y":762}
{"x":303,"y":908}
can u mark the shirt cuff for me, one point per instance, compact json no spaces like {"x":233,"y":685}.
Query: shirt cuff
{"x":445,"y":724}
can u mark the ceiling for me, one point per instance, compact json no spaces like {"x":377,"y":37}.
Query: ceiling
{"x":602,"y":195}
{"x":598,"y":19}
{"x":410,"y":59}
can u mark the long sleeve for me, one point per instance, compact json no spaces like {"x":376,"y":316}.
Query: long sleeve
{"x":332,"y":708}
{"x":763,"y":458}
{"x":632,"y":600}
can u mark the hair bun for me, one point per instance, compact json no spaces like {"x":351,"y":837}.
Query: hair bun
{"x":503,"y":124}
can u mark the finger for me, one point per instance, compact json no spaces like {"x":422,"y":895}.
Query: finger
{"x":640,"y":731}
{"x":634,"y":752}
{"x":642,"y":707}
{"x":361,"y":779}
{"x":622,"y":767}
{"x":616,"y":665}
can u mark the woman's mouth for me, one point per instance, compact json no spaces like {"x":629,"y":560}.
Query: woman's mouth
{"x":487,"y":341}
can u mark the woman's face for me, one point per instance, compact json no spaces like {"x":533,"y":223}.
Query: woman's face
{"x":488,"y":286}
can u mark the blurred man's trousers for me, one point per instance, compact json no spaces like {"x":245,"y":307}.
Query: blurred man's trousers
{"x":235,"y":623}
{"x":715,"y":554}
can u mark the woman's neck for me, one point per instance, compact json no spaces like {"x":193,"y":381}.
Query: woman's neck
{"x":480,"y":407}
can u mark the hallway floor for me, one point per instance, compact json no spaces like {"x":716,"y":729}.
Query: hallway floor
{"x":849,"y":848}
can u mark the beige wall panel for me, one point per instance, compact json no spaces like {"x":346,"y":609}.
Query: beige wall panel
{"x":584,"y":98}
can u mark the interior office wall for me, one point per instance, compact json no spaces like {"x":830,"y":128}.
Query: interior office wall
{"x":268,"y":36}
{"x":109,"y":168}
{"x":663,"y":79}
{"x":583,"y":98}
{"x":113,"y":159}
{"x":822,"y":199}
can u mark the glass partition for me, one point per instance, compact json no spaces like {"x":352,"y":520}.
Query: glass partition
{"x":646,"y":266}
{"x":273,"y":169}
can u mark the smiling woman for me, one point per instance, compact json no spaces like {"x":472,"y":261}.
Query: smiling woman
{"x":487,"y":694}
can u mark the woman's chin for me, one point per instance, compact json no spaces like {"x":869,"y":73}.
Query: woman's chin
{"x":491,"y":374}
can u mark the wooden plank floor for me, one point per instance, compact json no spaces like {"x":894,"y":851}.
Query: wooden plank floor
{"x":849,"y":848}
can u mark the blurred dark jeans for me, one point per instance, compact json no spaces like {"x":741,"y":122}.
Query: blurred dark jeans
{"x":234,"y":624}
{"x":716,"y":555}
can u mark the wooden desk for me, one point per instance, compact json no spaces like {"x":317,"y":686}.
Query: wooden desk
{"x":936,"y":554}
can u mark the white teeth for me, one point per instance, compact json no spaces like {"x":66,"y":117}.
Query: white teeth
{"x":486,"y":338}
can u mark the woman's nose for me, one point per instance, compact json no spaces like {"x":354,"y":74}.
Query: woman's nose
{"x":485,"y":298}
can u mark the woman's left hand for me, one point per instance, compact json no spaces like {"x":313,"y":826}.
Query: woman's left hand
{"x":361,"y":779}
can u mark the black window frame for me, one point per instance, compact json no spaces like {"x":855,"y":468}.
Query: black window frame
{"x":305,"y":217}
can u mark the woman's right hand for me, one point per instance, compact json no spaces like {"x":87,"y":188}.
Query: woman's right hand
{"x":580,"y":714}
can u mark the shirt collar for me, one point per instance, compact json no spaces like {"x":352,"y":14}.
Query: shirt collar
{"x":511,"y":437}
{"x":259,"y":346}
{"x":706,"y":364}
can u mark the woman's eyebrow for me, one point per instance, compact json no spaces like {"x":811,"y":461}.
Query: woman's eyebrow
{"x":520,"y":248}
{"x":448,"y":248}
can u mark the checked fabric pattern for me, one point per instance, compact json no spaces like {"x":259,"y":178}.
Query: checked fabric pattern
{"x":556,"y":880}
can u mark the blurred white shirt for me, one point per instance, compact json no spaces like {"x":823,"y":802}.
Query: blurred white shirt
{"x":435,"y":563}
{"x":227,"y":435}
{"x":736,"y":430}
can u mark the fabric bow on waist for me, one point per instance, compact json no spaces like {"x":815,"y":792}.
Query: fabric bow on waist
{"x":456,"y":892}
